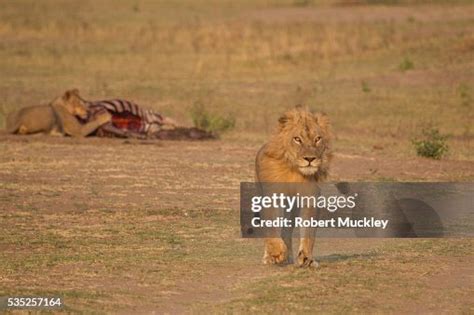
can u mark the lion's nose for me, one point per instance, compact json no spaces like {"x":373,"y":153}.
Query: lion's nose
{"x":310,"y":158}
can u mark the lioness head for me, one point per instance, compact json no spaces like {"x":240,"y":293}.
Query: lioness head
{"x":303,"y":141}
{"x":73,"y":103}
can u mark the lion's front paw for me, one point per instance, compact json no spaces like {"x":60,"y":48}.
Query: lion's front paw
{"x":274,"y":258}
{"x":276,"y":252}
{"x":304,"y":261}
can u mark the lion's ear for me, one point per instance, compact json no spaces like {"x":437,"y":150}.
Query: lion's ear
{"x":70,"y":93}
{"x":67,"y":95}
{"x":289,"y":115}
{"x":283,"y":120}
{"x":321,"y":117}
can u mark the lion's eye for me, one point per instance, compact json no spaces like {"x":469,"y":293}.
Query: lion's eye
{"x":317,"y":139}
{"x":297,"y":140}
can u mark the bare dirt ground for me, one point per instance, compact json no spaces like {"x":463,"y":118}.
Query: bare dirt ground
{"x":149,"y":226}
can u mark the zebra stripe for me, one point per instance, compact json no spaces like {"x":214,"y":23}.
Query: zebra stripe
{"x":148,"y":116}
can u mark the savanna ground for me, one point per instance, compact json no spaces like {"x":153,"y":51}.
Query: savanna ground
{"x":124,"y":225}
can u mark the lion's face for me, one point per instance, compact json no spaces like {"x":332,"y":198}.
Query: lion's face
{"x":73,"y":103}
{"x":303,"y":140}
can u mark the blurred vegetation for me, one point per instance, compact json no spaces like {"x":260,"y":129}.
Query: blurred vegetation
{"x":365,"y":87}
{"x":465,"y":95}
{"x":432,"y":144}
{"x":406,"y":64}
{"x":211,"y":122}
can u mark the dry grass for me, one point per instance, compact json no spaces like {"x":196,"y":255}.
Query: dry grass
{"x":111,"y":237}
{"x":253,"y":61}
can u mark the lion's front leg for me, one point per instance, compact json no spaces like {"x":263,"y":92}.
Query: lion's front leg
{"x":307,"y":237}
{"x":305,"y":253}
{"x":276,"y":251}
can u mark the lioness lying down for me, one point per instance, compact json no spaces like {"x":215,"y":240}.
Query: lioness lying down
{"x":299,"y":152}
{"x":60,"y":117}
{"x":72,"y":115}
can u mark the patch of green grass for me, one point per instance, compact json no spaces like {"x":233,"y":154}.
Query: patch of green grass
{"x":465,"y":94}
{"x":365,"y":87}
{"x":208,"y":121}
{"x":406,"y":64}
{"x":432,"y":144}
